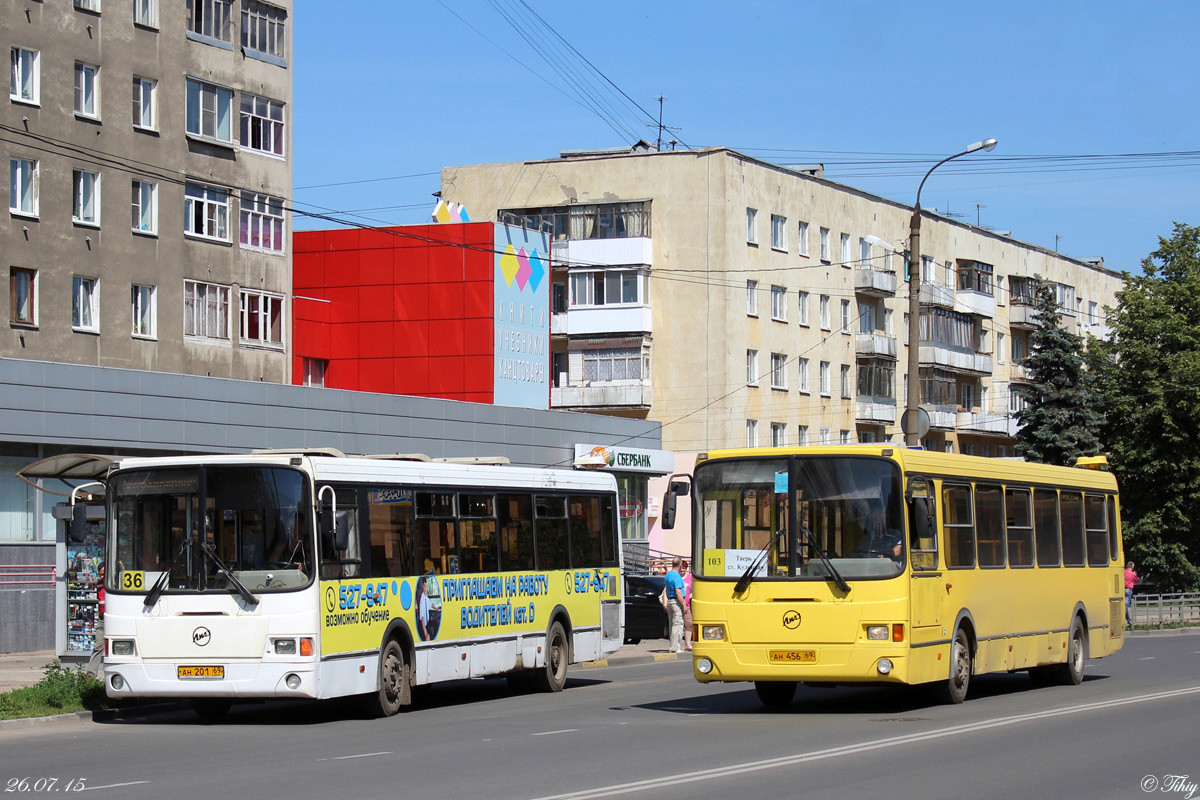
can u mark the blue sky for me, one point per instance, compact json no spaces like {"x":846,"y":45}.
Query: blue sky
{"x":404,"y":88}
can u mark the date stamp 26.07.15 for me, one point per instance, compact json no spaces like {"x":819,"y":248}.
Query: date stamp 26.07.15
{"x":44,"y":785}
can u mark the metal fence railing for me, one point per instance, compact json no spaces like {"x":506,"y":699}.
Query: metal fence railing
{"x":27,"y":574}
{"x":1164,"y":609}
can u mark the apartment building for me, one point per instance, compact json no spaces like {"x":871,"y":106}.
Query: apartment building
{"x":742,"y":303}
{"x":149,"y":154}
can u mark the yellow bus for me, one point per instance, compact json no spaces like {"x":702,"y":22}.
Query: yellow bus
{"x":884,"y":565}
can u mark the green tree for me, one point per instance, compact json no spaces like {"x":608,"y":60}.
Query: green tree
{"x":1149,"y":374}
{"x":1061,"y":419}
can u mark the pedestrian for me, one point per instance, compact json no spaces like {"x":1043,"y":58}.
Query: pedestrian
{"x":687,"y":606}
{"x":96,"y":662}
{"x":673,"y":596}
{"x":1131,"y":578}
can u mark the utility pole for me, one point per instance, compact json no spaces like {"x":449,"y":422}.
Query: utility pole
{"x":660,"y":100}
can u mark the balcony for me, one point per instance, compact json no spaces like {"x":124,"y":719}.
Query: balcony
{"x":1022,"y":315}
{"x":875,"y":282}
{"x":875,"y":344}
{"x":973,"y":422}
{"x":935,"y":295}
{"x":937,"y":355}
{"x":630,"y":251}
{"x":558,"y":324}
{"x":1020,"y":374}
{"x":975,"y":303}
{"x":875,"y":410}
{"x":591,"y":320}
{"x":603,"y":395}
{"x":942,"y":417}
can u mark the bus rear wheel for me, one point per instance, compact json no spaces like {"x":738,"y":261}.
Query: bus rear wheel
{"x":395,"y":690}
{"x":1071,"y":673}
{"x":553,"y":676}
{"x":954,"y":690}
{"x":775,"y":694}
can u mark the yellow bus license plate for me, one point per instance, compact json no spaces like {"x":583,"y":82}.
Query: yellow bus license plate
{"x":202,"y":672}
{"x":793,"y":656}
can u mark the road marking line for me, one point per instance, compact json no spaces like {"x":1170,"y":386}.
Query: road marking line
{"x":548,"y":733}
{"x":852,"y":749}
{"x":1147,"y":658}
{"x":112,"y":786}
{"x":360,"y":755}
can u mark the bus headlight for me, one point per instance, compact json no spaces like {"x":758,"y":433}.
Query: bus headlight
{"x":704,"y":666}
{"x":123,"y":647}
{"x":117,"y":682}
{"x":877,"y":632}
{"x":712,"y":633}
{"x":284,"y":647}
{"x":884,"y":666}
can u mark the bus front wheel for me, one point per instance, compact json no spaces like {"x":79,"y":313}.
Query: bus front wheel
{"x":553,"y":676}
{"x":954,"y":690}
{"x":775,"y":694}
{"x":395,"y":689}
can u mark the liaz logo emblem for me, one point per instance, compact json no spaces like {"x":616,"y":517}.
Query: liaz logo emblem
{"x":201,"y":636}
{"x":791,"y":620}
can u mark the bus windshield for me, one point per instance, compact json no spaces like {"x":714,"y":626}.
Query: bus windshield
{"x":256,"y":524}
{"x":848,"y":506}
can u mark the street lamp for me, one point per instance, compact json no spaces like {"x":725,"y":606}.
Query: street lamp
{"x":911,"y":436}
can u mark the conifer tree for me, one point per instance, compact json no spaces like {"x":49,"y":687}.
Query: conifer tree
{"x":1061,"y":419}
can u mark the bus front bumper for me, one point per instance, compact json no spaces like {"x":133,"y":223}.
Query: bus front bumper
{"x":811,"y":663}
{"x":275,"y":679}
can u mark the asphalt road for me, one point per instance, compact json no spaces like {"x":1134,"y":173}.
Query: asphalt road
{"x":652,"y":731}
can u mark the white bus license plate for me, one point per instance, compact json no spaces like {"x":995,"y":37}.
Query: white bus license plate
{"x":793,"y":656}
{"x":216,"y":673}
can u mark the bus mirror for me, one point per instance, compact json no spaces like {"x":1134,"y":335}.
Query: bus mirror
{"x":674,"y":489}
{"x":78,"y":531}
{"x":341,"y":531}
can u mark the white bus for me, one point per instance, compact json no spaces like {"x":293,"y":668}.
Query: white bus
{"x":309,"y":574}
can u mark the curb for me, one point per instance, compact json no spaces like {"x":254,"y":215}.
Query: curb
{"x":99,"y":715}
{"x":1162,"y":632}
{"x":632,"y":660}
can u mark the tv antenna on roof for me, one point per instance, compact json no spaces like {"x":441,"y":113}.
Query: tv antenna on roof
{"x":949,"y":213}
{"x":660,"y":126}
{"x":978,"y":206}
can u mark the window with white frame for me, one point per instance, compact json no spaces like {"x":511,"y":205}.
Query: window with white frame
{"x":262,"y":318}
{"x":752,"y":226}
{"x":845,"y":382}
{"x":206,"y":212}
{"x":826,"y":436}
{"x":26,"y":75}
{"x":825,"y":379}
{"x":145,"y":207}
{"x":889,"y":322}
{"x":802,"y":374}
{"x":1092,"y":315}
{"x":751,"y":433}
{"x":779,"y":303}
{"x":23,"y":294}
{"x":23,"y":186}
{"x":824,"y":312}
{"x":778,"y":371}
{"x":145,"y":13}
{"x":752,"y":368}
{"x":263,"y":29}
{"x":866,"y":316}
{"x":613,"y":364}
{"x":864,"y":254}
{"x":606,"y":287}
{"x":87,"y":89}
{"x":752,"y":298}
{"x":262,"y":124}
{"x":968,"y":396}
{"x":949,"y":447}
{"x":89,"y":5}
{"x":1000,"y":348}
{"x":778,"y":232}
{"x":85,"y":197}
{"x":778,"y":434}
{"x":802,"y":435}
{"x":803,"y":308}
{"x":825,"y":245}
{"x":144,"y":307}
{"x":867,"y":437}
{"x":85,"y":304}
{"x":205,"y":310}
{"x":844,"y":437}
{"x":208,"y":111}
{"x":262,"y":222}
{"x":802,"y":237}
{"x":314,"y":371}
{"x":846,"y":262}
{"x":209,"y":18}
{"x":145,"y":106}
{"x":927,"y":270}
{"x":845,"y":316}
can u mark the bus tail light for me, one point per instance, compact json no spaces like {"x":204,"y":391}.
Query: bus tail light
{"x":306,"y":646}
{"x":897,"y":632}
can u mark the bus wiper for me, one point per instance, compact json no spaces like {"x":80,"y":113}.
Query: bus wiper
{"x":211,"y":552}
{"x":833,"y":575}
{"x":161,"y":584}
{"x":747,"y":576}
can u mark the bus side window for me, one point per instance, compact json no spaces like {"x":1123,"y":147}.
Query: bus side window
{"x":586,"y":526}
{"x":337,"y":564}
{"x":959,"y":525}
{"x":1097,"y":530}
{"x":922,"y":525}
{"x":1019,"y":525}
{"x":1114,"y":544}
{"x":477,"y":530}
{"x":389,"y":518}
{"x":550,"y":532}
{"x":436,"y":529}
{"x":516,"y":532}
{"x":1045,"y":522}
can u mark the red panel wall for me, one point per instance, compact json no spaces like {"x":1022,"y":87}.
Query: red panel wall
{"x":405,"y":310}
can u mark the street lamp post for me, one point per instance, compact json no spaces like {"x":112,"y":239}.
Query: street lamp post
{"x":911,"y":435}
